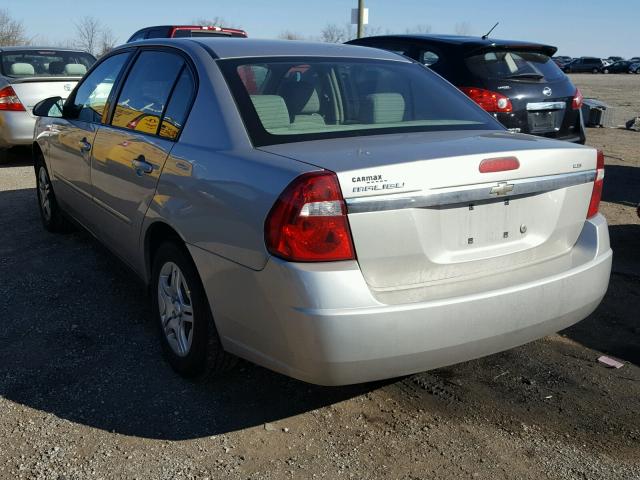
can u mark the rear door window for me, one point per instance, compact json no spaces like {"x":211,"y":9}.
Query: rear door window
{"x":513,"y":65}
{"x":144,"y":96}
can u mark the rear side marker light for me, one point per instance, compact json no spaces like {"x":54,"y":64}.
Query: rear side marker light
{"x":308,"y":222}
{"x":490,"y":101}
{"x":596,"y":194}
{"x":9,"y":101}
{"x":503,"y":164}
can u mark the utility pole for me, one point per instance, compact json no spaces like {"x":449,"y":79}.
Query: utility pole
{"x":360,"y":18}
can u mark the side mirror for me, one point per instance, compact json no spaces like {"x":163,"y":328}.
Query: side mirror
{"x":49,"y":107}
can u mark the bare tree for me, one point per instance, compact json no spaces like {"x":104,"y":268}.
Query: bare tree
{"x":422,"y":28}
{"x":333,"y":33}
{"x":289,"y":35}
{"x":108,"y":41}
{"x":211,"y":22}
{"x":88,"y":31}
{"x":93,"y":37}
{"x":462,"y":28}
{"x":12,"y":31}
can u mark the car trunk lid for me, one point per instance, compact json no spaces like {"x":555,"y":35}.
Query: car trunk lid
{"x":34,"y":89}
{"x":422,"y":214}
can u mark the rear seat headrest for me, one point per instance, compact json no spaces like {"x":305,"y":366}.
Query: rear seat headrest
{"x":75,"y":69}
{"x":22,"y":69}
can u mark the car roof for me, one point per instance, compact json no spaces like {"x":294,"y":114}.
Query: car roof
{"x":468,"y":42}
{"x":35,"y":49}
{"x":235,"y":47}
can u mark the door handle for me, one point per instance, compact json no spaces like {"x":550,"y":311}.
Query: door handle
{"x":84,"y":145}
{"x":141,"y":165}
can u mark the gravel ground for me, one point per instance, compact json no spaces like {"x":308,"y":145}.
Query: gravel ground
{"x":84,"y":392}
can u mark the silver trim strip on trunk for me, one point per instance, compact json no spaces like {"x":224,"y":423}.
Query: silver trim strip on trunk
{"x":470,"y":193}
{"x":537,"y":106}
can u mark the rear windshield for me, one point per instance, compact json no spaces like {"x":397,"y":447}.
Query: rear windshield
{"x":288,"y":100}
{"x":45,"y":63}
{"x":514,"y":65}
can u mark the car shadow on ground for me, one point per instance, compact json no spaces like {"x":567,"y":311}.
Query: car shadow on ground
{"x":621,"y":185}
{"x":77,"y":341}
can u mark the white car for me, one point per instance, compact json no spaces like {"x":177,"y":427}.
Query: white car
{"x":28,"y":75}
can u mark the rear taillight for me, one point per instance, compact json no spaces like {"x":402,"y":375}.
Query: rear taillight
{"x":308,"y":222}
{"x":576,"y":104}
{"x":596,"y":194}
{"x":9,"y":100}
{"x":488,"y":100}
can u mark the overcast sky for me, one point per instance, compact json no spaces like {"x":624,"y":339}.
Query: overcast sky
{"x":587,"y":27}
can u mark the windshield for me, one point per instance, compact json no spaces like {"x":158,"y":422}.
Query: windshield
{"x":510,"y":64}
{"x":45,"y":63}
{"x":289,"y":100}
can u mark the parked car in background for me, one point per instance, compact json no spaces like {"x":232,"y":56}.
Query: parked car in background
{"x":621,"y":66}
{"x":28,"y":75}
{"x":351,"y":216}
{"x":634,"y":67}
{"x":615,"y":59}
{"x":517,"y":82}
{"x":562,"y":60}
{"x":584,"y":64}
{"x":180,"y":31}
{"x":634,"y":59}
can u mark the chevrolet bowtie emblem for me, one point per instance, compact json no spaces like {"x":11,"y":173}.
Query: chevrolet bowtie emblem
{"x":501,"y":189}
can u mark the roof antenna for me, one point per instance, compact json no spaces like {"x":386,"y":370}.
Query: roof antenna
{"x":486,"y":35}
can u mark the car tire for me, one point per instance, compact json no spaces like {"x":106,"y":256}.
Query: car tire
{"x":595,"y":70}
{"x":53,"y":218}
{"x":606,"y":70}
{"x":188,"y":334}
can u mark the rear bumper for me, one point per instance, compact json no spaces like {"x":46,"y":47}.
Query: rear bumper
{"x":321,"y":324}
{"x":16,"y":128}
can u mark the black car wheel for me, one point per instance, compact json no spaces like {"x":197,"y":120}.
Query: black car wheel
{"x":606,"y":70}
{"x":52,"y":217}
{"x":595,"y":70}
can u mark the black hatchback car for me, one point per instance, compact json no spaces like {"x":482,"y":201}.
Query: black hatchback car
{"x":517,"y":82}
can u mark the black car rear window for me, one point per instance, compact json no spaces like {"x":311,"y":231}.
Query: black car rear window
{"x":514,"y":65}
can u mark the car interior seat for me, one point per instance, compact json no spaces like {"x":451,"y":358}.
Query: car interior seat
{"x":75,"y":69}
{"x":23,"y":69}
{"x":382,"y":108}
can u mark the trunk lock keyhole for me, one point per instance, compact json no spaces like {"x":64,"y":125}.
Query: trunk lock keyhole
{"x":523,"y":228}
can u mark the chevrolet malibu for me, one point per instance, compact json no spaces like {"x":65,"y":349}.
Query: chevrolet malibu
{"x":336,"y":213}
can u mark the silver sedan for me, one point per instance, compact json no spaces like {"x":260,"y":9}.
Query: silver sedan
{"x":31,"y":74}
{"x":336,"y":213}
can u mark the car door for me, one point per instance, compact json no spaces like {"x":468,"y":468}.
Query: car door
{"x":129,"y":152}
{"x":71,"y":137}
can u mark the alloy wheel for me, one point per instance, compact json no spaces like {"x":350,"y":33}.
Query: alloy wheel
{"x":176,"y":309}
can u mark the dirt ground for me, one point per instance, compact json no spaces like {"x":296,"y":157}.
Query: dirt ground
{"x":84,"y":392}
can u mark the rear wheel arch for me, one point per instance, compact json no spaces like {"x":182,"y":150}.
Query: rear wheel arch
{"x":156,"y":234}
